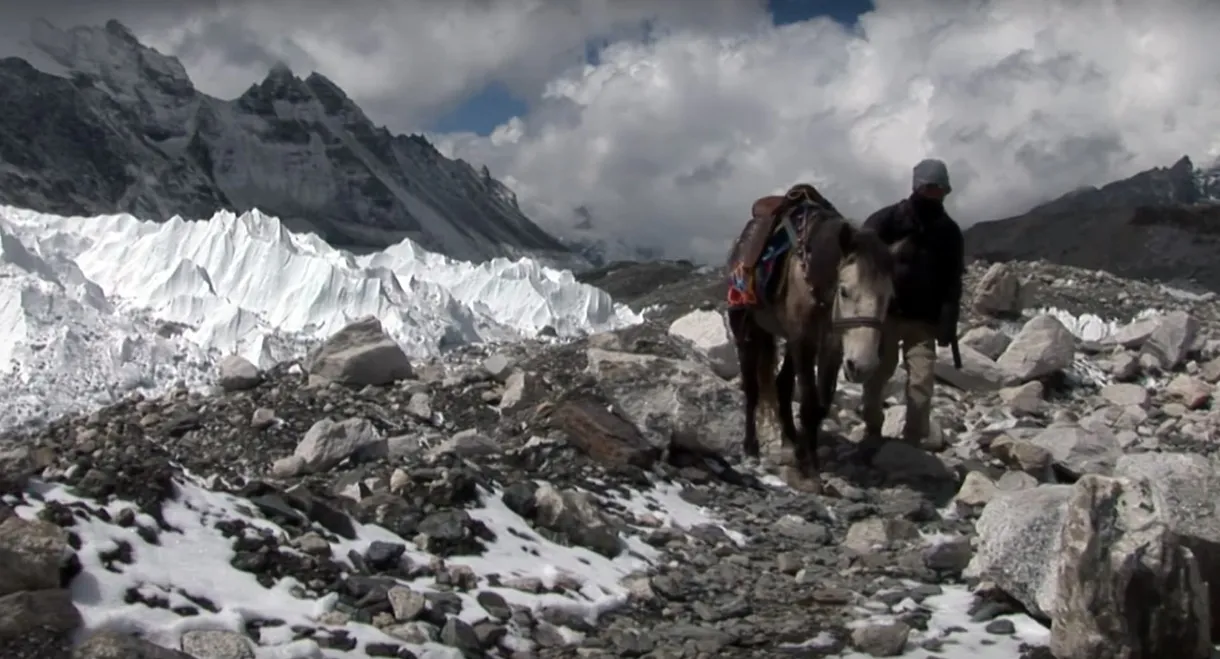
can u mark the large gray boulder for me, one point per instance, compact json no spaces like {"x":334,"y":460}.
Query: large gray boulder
{"x":1127,"y":587}
{"x":1080,"y":449}
{"x":236,"y":373}
{"x":667,"y":397}
{"x":707,"y":331}
{"x":360,"y":354}
{"x":1018,"y":545}
{"x":1042,"y":347}
{"x":1101,"y":562}
{"x":1186,"y":488}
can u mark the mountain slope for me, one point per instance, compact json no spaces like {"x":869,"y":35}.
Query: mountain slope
{"x":94,"y":122}
{"x":1162,"y":224}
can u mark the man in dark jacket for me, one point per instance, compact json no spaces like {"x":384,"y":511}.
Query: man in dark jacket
{"x":927,"y":296}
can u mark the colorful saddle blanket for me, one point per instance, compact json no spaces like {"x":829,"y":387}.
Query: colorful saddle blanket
{"x":751,"y":284}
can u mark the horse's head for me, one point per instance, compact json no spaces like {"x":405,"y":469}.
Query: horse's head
{"x":865,"y":289}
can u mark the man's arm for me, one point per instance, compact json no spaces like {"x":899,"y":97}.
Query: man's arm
{"x":954,"y":259}
{"x":882,"y":223}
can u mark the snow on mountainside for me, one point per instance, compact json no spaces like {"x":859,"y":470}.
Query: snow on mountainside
{"x":95,"y":122}
{"x":94,"y":307}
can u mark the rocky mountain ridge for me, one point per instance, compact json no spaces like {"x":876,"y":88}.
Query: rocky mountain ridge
{"x":1163,"y":223}
{"x":95,"y":122}
{"x":1181,"y":184}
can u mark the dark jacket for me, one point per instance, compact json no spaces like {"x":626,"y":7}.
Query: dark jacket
{"x":929,"y":267}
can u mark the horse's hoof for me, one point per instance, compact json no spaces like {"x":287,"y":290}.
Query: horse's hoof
{"x":800,"y":482}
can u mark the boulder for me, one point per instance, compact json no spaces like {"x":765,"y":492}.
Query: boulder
{"x":1080,"y":450}
{"x":521,"y":389}
{"x":360,"y":354}
{"x":1042,"y":347}
{"x":236,"y":373}
{"x":328,"y":443}
{"x":1018,"y":545}
{"x":1186,"y":488}
{"x":1127,"y":587}
{"x":710,"y":335}
{"x":978,"y":373}
{"x":998,"y":293}
{"x":988,"y":341}
{"x":1171,"y":339}
{"x":665,"y":397}
{"x":32,"y":553}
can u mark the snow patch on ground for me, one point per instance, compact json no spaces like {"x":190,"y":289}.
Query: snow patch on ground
{"x":1089,"y":327}
{"x":955,"y":635}
{"x":194,"y":563}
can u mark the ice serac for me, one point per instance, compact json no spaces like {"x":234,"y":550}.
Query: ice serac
{"x":122,"y":129}
{"x":93,"y":307}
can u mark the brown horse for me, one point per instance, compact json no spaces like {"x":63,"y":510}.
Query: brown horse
{"x":831,"y":291}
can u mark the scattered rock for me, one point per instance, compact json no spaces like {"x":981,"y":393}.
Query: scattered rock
{"x":1069,"y":479}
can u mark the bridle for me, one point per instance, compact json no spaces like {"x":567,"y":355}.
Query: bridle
{"x":846,"y":323}
{"x":855,"y":322}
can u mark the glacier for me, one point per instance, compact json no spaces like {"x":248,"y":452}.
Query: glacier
{"x":94,"y":308}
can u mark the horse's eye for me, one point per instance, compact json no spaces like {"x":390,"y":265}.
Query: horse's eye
{"x":843,"y":291}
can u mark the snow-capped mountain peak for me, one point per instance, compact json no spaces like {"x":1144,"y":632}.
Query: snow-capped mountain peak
{"x":133,"y":134}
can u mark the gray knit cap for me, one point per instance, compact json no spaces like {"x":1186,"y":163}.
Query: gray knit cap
{"x":930,"y":172}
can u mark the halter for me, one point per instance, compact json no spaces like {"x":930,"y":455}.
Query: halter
{"x":851,"y":322}
{"x":855,"y":322}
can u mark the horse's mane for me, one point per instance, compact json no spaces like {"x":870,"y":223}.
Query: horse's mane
{"x":873,"y":256}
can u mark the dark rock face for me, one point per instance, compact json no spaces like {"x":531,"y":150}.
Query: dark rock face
{"x":1181,"y":184}
{"x":1161,"y":224}
{"x":121,"y":128}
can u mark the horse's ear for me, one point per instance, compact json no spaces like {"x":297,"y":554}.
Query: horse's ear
{"x":847,"y":238}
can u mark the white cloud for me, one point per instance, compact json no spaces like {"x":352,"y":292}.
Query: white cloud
{"x":406,"y":61}
{"x":668,"y":142}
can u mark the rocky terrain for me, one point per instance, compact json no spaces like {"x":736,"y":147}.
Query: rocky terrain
{"x":95,"y":122}
{"x":587,"y":498}
{"x":1158,"y":224}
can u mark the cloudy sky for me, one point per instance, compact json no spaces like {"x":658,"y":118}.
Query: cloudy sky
{"x":664,"y":119}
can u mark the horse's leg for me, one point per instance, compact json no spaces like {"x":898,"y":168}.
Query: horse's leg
{"x":744,"y":337}
{"x":785,"y":388}
{"x":830,"y":360}
{"x":812,"y":410}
